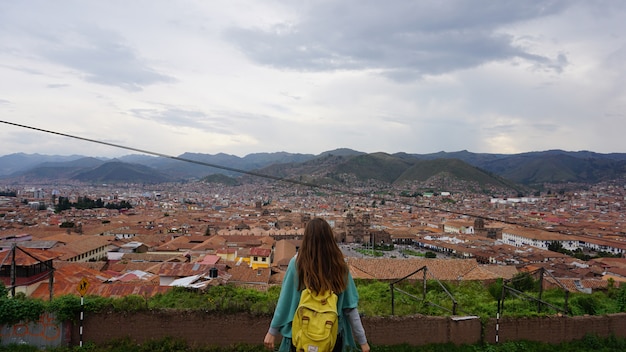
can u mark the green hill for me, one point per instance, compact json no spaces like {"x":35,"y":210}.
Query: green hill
{"x":557,"y":168}
{"x":116,"y":171}
{"x":221,"y":179}
{"x":376,"y":166}
{"x":456,"y":169}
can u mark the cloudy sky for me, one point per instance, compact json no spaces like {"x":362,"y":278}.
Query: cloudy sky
{"x":243,"y":77}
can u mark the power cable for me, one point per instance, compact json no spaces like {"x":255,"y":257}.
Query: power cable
{"x":252,"y":173}
{"x":222,"y":167}
{"x":275,"y":178}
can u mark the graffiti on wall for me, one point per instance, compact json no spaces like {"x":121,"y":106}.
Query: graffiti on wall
{"x":47,"y":331}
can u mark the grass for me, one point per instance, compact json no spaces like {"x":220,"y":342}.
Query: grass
{"x":590,"y":343}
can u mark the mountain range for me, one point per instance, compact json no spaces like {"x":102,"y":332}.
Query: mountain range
{"x":332,"y":167}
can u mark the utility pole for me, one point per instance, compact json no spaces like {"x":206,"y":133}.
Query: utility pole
{"x":13,"y":270}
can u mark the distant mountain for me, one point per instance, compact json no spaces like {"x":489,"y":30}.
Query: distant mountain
{"x":551,"y":166}
{"x":198,"y":168}
{"x":117,"y":171}
{"x":13,"y":163}
{"x":375,"y":166}
{"x":341,"y":152}
{"x":476,"y":159}
{"x":200,"y":165}
{"x":454,"y":169}
{"x":331,"y":167}
{"x":147,"y":160}
{"x":319,"y":170}
{"x":387,"y":169}
{"x":60,"y":170}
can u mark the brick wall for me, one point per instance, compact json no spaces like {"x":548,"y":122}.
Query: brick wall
{"x":200,"y":328}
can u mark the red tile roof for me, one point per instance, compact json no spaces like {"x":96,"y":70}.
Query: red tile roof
{"x":392,"y":268}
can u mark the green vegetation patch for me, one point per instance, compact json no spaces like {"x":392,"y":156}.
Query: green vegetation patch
{"x":590,"y":343}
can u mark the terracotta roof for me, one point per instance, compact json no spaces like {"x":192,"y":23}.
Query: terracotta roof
{"x":610,"y":262}
{"x":67,"y":277}
{"x":392,"y":268}
{"x":259,"y":251}
{"x":23,"y":259}
{"x":357,"y":273}
{"x":98,"y":266}
{"x":182,"y":243}
{"x":184,"y":269}
{"x":538,"y":234}
{"x":152,"y":257}
{"x":226,"y":251}
{"x":122,"y":267}
{"x":576,"y":285}
{"x":284,"y":251}
{"x":101,"y":289}
{"x":78,"y":244}
{"x":491,"y":272}
{"x":209,"y":259}
{"x":247,"y":275}
{"x":619,"y":271}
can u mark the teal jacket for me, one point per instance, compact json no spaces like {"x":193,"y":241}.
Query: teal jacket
{"x":288,"y":303}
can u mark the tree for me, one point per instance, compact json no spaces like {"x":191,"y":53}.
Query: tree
{"x":63,"y":204}
{"x":523,"y":282}
{"x":67,"y":225}
{"x":495,"y":289}
{"x":4,"y":292}
{"x":555,"y":246}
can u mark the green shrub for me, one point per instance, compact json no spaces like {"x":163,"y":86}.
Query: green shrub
{"x":584,"y":304}
{"x":430,"y":255}
{"x":523,"y":282}
{"x":130,"y":303}
{"x":4,"y":292}
{"x":375,"y":300}
{"x":13,"y":311}
{"x":620,"y":299}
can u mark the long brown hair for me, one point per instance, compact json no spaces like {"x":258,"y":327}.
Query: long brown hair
{"x":320,"y":262}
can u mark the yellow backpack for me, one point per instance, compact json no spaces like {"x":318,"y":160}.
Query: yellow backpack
{"x":315,"y":324}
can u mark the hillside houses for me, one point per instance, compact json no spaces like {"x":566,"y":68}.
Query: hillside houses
{"x":167,"y":241}
{"x":158,"y":271}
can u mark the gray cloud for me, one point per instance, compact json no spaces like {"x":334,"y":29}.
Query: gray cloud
{"x":545,"y":127}
{"x":402,"y":39}
{"x":103,"y":58}
{"x":23,"y":69}
{"x":57,"y":85}
{"x":100,"y":55}
{"x":308,"y":76}
{"x":225,"y":122}
{"x":502,"y":128}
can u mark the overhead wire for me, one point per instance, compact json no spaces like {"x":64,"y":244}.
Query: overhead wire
{"x":271,"y":177}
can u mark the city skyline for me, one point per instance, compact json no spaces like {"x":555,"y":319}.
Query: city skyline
{"x":247,"y":77}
